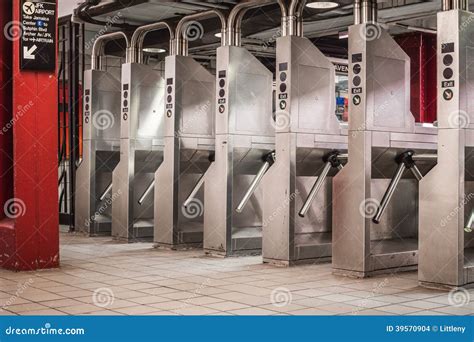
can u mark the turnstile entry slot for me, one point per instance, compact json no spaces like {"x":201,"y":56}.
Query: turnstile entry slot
{"x":268,"y":161}
{"x":405,"y":161}
{"x":199,"y":183}
{"x":331,"y":160}
{"x":148,"y":190}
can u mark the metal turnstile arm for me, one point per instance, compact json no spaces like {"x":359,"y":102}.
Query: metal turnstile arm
{"x":269,"y":160}
{"x":147,"y":192}
{"x":195,"y":190}
{"x":106,"y":191}
{"x":406,"y":160}
{"x":199,"y":184}
{"x":470,"y":223}
{"x":389,"y":193}
{"x":332,"y":160}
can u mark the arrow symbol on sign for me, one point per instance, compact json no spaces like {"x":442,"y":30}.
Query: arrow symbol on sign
{"x":28,"y":52}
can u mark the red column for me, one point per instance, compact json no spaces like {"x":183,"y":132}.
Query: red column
{"x":29,"y":226}
{"x":421,"y":48}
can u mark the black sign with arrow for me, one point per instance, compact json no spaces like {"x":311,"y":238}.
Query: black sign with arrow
{"x":38,"y":39}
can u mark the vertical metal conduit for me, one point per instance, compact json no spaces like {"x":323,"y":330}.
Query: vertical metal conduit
{"x":98,"y":50}
{"x":136,"y":45}
{"x":180,"y":35}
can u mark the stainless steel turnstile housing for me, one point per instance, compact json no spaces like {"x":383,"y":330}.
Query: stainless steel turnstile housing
{"x":447,"y":192}
{"x":307,"y":131}
{"x":101,"y":146}
{"x":189,"y":148}
{"x":141,"y":152}
{"x":244,"y":139}
{"x":381,"y":130}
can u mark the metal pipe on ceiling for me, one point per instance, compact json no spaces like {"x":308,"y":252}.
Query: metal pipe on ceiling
{"x":295,"y":24}
{"x":98,"y":50}
{"x":136,"y":45}
{"x":447,"y":5}
{"x":236,"y":16}
{"x":181,"y":29}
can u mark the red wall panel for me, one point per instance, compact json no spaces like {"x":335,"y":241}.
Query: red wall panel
{"x":35,"y":172}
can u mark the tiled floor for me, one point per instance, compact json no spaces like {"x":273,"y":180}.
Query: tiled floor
{"x":102,"y":277}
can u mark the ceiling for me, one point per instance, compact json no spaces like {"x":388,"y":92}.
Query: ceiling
{"x":261,"y":26}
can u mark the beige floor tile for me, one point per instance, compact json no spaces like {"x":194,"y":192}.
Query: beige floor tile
{"x":252,"y":311}
{"x":136,"y":310}
{"x":227,"y":306}
{"x":59,"y":303}
{"x":172,"y":305}
{"x":151,"y":281}
{"x":284,"y":308}
{"x":46,"y":312}
{"x":149,"y":300}
{"x":423,"y":304}
{"x":398,"y":309}
{"x":195,"y":311}
{"x":26,"y":307}
{"x":202,"y":300}
{"x":310,"y":312}
{"x":81,"y":309}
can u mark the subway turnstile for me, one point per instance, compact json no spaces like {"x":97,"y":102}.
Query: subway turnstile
{"x":375,"y":199}
{"x":141,"y":151}
{"x":101,"y":141}
{"x":310,"y":149}
{"x":447,"y":192}
{"x":244,"y":146}
{"x":189,"y":146}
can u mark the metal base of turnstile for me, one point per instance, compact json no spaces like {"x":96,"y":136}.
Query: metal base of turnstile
{"x":388,"y":256}
{"x":245,"y":241}
{"x":188,"y":237}
{"x":468,"y":273}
